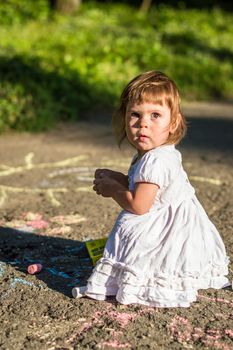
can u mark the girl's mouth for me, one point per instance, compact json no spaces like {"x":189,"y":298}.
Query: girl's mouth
{"x":142,"y":137}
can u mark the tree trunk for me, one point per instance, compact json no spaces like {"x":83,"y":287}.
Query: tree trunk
{"x":65,"y":6}
{"x":145,"y":5}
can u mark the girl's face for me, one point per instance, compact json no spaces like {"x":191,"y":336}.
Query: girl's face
{"x":147,"y":125}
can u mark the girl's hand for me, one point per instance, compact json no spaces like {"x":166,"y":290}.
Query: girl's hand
{"x":111,"y":174}
{"x":105,"y":186}
{"x":100,"y":173}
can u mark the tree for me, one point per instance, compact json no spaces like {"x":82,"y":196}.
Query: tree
{"x":145,"y":5}
{"x":65,"y":6}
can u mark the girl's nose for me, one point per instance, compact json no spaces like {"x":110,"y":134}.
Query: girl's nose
{"x":143,"y":123}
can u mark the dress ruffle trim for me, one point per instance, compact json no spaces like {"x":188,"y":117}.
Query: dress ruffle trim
{"x":130,"y":286}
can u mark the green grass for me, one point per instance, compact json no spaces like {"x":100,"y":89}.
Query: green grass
{"x":60,"y":68}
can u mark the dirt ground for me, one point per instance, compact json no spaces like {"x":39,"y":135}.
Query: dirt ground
{"x":48,"y":210}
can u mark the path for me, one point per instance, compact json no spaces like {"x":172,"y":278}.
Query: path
{"x":48,"y":210}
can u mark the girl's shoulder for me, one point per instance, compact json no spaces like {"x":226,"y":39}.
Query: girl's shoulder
{"x":166,"y":158}
{"x":167,"y":154}
{"x":159,"y":165}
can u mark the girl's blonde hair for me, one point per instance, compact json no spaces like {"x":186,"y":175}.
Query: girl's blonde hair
{"x":153,"y":87}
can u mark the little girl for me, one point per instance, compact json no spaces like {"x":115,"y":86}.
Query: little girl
{"x":163,"y":247}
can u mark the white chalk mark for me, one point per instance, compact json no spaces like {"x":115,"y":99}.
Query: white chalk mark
{"x":83,"y":170}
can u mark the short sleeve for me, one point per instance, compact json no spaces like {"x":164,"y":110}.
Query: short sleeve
{"x":154,"y":168}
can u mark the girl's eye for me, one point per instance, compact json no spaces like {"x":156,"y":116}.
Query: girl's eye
{"x":134,"y":115}
{"x":155,"y":115}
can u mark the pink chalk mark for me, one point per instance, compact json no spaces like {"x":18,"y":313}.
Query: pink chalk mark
{"x":97,"y":315}
{"x":220,"y":300}
{"x":34,"y":220}
{"x":114,"y":342}
{"x":116,"y":334}
{"x":197,"y":334}
{"x":147,"y":310}
{"x":214,"y":344}
{"x":122,"y":318}
{"x":184,"y":332}
{"x":213,"y":334}
{"x":84,"y":328}
{"x":180,"y":329}
{"x":38,"y":224}
{"x":229,"y":332}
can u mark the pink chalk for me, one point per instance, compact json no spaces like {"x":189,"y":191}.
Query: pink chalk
{"x":38,"y":224}
{"x":35,"y":268}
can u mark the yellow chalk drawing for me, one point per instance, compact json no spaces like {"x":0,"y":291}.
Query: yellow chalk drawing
{"x":31,"y":190}
{"x":6,"y":170}
{"x":5,"y":167}
{"x":53,"y":200}
{"x":28,"y":160}
{"x":58,"y":230}
{"x":116,"y":162}
{"x":68,"y":219}
{"x":84,"y":189}
{"x":207,"y":179}
{"x":3,"y":197}
{"x":49,"y":192}
{"x":29,"y":166}
{"x":69,"y":165}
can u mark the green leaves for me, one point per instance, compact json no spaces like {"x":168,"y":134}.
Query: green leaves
{"x":14,"y":11}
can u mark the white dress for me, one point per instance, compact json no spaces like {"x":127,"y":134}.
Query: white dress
{"x":163,"y":257}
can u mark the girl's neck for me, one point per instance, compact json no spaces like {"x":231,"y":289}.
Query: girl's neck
{"x":141,"y":154}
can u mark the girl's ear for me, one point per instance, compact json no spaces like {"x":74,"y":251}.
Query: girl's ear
{"x":174,"y":125}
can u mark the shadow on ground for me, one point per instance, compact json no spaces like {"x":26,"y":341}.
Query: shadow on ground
{"x":210,"y":133}
{"x":65,"y":262}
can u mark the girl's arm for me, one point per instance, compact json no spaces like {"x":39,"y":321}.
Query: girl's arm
{"x":137,"y":202}
{"x":116,"y":175}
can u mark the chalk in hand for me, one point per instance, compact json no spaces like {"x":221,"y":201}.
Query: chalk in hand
{"x":34,"y":268}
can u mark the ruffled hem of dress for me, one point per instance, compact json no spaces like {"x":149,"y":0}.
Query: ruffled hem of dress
{"x":111,"y":278}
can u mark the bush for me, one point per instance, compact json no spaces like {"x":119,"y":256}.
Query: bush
{"x":66,"y":67}
{"x":14,"y":11}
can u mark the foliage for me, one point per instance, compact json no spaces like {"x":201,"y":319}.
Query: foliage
{"x":66,"y":67}
{"x":15,"y":11}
